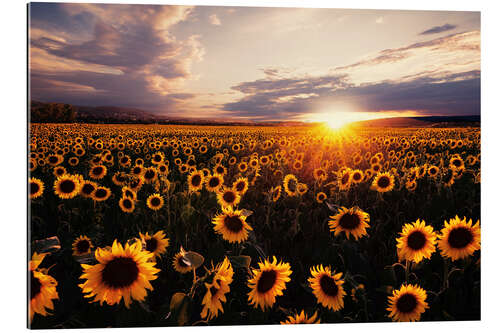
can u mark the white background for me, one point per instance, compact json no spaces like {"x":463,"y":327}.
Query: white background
{"x":13,"y":175}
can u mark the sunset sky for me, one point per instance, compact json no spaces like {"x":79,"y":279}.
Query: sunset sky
{"x":256,"y":63}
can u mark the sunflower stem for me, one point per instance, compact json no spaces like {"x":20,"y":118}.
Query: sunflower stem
{"x":445,"y":274}
{"x":407,"y":270}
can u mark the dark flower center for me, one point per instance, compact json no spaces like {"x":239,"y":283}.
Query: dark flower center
{"x":53,"y":159}
{"x":88,"y":189}
{"x":127,"y":203}
{"x":34,"y":188}
{"x":35,"y":285}
{"x":137,"y":170}
{"x":97,"y":170}
{"x":214,"y":181}
{"x":157,"y":158}
{"x":266,"y":281}
{"x":151,"y":244}
{"x":124,"y":160}
{"x":349,"y":221}
{"x":120,"y":272}
{"x":83,"y":246}
{"x":384,"y":182}
{"x":213,"y":290}
{"x":459,"y":237}
{"x":196,"y":180}
{"x":67,"y":186}
{"x":356,"y":176}
{"x":457,"y":162}
{"x":233,"y":223}
{"x":416,"y":240}
{"x":406,"y":303}
{"x":101,"y":193}
{"x":150,"y":174}
{"x":229,"y":197}
{"x":155,"y":201}
{"x":240,"y":186}
{"x":345,"y":178}
{"x":328,"y":285}
{"x":220,"y":170}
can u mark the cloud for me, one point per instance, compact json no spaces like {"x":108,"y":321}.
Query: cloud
{"x":127,"y":57}
{"x":283,"y":99}
{"x":214,"y":20}
{"x":438,"y":29}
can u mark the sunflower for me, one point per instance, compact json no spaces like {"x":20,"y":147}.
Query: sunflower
{"x":101,"y":193}
{"x":267,"y":282}
{"x":88,"y":188}
{"x":195,"y":181}
{"x":136,"y":183}
{"x":127,"y":204}
{"x":301,"y":319}
{"x":98,"y":171}
{"x":241,"y":186}
{"x":217,"y":290}
{"x":275,"y":193}
{"x":417,"y":241}
{"x":155,"y":201}
{"x":36,"y":187}
{"x":432,"y":171}
{"x":59,"y":171}
{"x":320,"y":197}
{"x":82,"y":245}
{"x":408,"y":303}
{"x":180,"y":264}
{"x":327,"y":287}
{"x":232,"y":225}
{"x":42,"y":288}
{"x":150,"y":175}
{"x":119,"y":178}
{"x":67,"y":186}
{"x":456,"y":163}
{"x":352,"y":221}
{"x":290,"y":183}
{"x":344,"y":179}
{"x":383,"y":182}
{"x":357,"y":176}
{"x":214,"y":182}
{"x":121,"y":272}
{"x":156,"y":243}
{"x":228,"y":197}
{"x":459,"y":238}
{"x":301,"y":188}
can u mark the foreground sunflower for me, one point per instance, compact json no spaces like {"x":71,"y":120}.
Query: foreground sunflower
{"x":88,"y":188}
{"x":42,"y":288}
{"x":127,"y":204}
{"x":290,"y":183}
{"x":417,"y":241}
{"x":67,"y":186}
{"x":195,"y":181}
{"x":383,"y":182}
{"x":228,"y":197}
{"x":156,"y":244}
{"x":155,"y":201}
{"x":217,"y":290}
{"x":327,"y":287}
{"x":459,"y":238}
{"x":36,"y":188}
{"x":301,"y":318}
{"x":268,"y":281}
{"x":214,"y":182}
{"x":407,"y":303}
{"x":82,"y":245}
{"x":240,"y":186}
{"x":232,"y":225}
{"x":179,"y":263}
{"x":353,"y":221}
{"x":122,"y":272}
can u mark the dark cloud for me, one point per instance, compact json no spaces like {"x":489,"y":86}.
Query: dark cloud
{"x":131,"y":40}
{"x":438,"y":29}
{"x":452,"y":94}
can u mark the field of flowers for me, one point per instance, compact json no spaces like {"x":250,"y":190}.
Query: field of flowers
{"x":152,"y":225}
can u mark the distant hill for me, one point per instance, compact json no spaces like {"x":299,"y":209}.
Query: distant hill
{"x":427,"y":121}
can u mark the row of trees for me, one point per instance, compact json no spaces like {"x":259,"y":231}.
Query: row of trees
{"x":52,"y":112}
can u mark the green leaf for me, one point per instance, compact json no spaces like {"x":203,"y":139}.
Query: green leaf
{"x":240,"y":261}
{"x":193,"y":259}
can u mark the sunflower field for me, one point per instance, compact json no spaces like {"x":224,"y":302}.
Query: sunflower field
{"x":163,"y":225}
